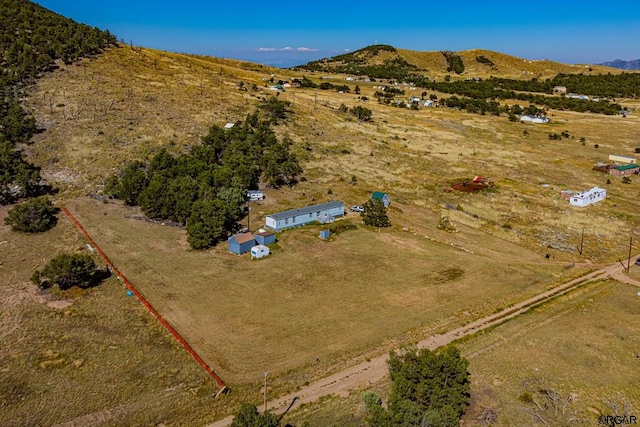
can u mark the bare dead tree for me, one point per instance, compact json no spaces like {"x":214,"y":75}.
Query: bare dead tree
{"x":548,"y":407}
{"x":488,"y":417}
{"x":619,"y":405}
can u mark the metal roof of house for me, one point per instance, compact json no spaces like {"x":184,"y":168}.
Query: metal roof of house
{"x":306,"y":210}
{"x":627,"y":167}
{"x":378,"y":195}
{"x":243,"y":237}
{"x":586,"y":193}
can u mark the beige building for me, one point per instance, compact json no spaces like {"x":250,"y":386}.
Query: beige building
{"x":622,"y":160}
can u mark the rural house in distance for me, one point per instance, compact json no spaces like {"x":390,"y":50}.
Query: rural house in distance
{"x":587,"y":197}
{"x":623,"y":170}
{"x":621,"y":160}
{"x":534,"y":119}
{"x":324,"y":212}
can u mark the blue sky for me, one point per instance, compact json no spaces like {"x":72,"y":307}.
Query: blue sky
{"x":287,"y":33}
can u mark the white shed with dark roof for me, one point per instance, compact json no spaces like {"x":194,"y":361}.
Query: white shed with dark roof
{"x":301,"y":216}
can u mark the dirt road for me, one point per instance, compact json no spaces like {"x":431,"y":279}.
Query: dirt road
{"x":367,"y":373}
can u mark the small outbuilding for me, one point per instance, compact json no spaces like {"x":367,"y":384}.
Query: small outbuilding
{"x":621,"y":160}
{"x":259,"y":251}
{"x":624,"y":170}
{"x":566,"y":194}
{"x":383,"y":197}
{"x":265,"y":237}
{"x":241,"y":243}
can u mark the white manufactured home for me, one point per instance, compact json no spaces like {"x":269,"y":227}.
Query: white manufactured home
{"x":534,"y":119}
{"x":623,"y":160}
{"x":323,"y":212}
{"x":587,"y":197}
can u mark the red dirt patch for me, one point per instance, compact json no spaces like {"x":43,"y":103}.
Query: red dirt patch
{"x":470,"y":186}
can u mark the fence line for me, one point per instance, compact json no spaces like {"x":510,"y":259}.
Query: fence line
{"x":144,"y":301}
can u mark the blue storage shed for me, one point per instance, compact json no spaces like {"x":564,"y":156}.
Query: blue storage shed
{"x":265,"y":237}
{"x":297,"y":217}
{"x":241,"y":243}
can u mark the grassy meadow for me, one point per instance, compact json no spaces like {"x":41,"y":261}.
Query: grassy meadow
{"x":360,"y":294}
{"x":92,"y":357}
{"x":314,"y":307}
{"x":582,"y":346}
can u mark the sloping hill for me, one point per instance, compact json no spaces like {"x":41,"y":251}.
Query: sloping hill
{"x":32,"y":38}
{"x":383,"y":61}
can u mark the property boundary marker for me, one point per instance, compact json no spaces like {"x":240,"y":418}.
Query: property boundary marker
{"x":146,"y":303}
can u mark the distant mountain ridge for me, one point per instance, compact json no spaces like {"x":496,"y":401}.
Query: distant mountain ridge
{"x":623,"y":65}
{"x":388,"y":62}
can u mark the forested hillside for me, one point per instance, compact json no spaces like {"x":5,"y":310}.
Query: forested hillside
{"x":32,"y":38}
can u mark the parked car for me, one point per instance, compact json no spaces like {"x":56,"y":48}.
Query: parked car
{"x":358,"y":208}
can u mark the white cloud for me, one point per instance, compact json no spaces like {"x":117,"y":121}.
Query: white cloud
{"x":286,"y":49}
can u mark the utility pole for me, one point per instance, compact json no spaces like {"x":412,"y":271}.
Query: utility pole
{"x":265,"y":391}
{"x":248,"y":216}
{"x":629,"y":259}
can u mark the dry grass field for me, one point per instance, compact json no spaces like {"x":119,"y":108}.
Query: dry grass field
{"x":312,"y":307}
{"x":583,"y":345}
{"x":95,"y":357}
{"x":363,"y":293}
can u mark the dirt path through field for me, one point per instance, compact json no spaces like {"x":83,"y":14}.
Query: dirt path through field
{"x":363,"y":374}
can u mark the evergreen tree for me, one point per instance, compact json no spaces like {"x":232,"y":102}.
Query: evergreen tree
{"x":248,"y":416}
{"x":428,"y":388}
{"x":205,"y":189}
{"x":375,"y":214}
{"x":206,"y":224}
{"x":129,"y":187}
{"x":34,"y":216}
{"x":68,"y":270}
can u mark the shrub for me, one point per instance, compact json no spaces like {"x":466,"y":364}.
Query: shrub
{"x":34,"y":216}
{"x":363,"y":114}
{"x":484,"y":60}
{"x":68,"y":270}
